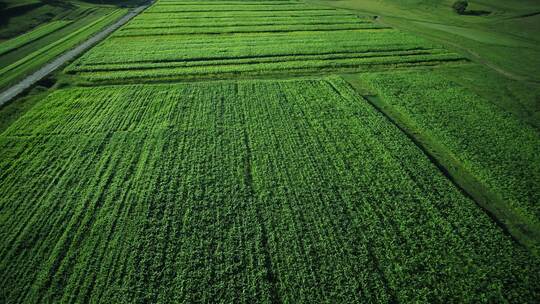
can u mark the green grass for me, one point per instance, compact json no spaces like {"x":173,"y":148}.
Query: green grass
{"x":507,"y":39}
{"x":77,"y":20}
{"x":21,"y":16}
{"x":245,"y":191}
{"x":277,"y":190}
{"x":517,"y":97}
{"x":13,"y":24}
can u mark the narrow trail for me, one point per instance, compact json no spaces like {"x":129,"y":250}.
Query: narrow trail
{"x":48,"y":68}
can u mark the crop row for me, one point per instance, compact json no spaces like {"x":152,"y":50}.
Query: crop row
{"x":206,"y":18}
{"x":314,"y":65}
{"x":168,"y":49}
{"x":248,"y":191}
{"x":214,"y":53}
{"x":26,"y":38}
{"x":233,"y":8}
{"x":496,"y":147}
{"x":201,"y":47}
{"x":192,"y":43}
{"x":148,"y":16}
{"x":194,"y":23}
{"x":192,"y":62}
{"x":180,"y":4}
{"x":246,"y":28}
{"x":227,"y":2}
{"x":209,"y":19}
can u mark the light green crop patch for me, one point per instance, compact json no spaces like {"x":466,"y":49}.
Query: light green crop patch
{"x":179,"y":41}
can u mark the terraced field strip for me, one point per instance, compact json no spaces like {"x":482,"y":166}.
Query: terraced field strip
{"x":242,"y":191}
{"x":35,"y":34}
{"x":258,"y":21}
{"x":220,"y":15}
{"x":43,"y":55}
{"x":189,"y":43}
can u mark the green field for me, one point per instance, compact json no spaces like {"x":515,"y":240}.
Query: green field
{"x":476,"y":132}
{"x":264,"y":188}
{"x":18,"y":17}
{"x":249,"y":151}
{"x":507,"y":40}
{"x":256,"y":39}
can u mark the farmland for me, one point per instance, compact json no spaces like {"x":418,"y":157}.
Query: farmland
{"x":281,"y":38}
{"x":473,"y":129}
{"x":270,"y":152}
{"x":235,"y":203}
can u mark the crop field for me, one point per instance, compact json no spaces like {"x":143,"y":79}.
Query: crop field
{"x":177,"y":40}
{"x":229,"y":151}
{"x":243,"y":191}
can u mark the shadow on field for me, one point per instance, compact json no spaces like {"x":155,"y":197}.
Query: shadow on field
{"x":476,"y":13}
{"x":7,"y":13}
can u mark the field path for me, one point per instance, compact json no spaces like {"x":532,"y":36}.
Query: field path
{"x":30,"y":80}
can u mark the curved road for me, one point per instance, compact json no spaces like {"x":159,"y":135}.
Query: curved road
{"x":30,"y":80}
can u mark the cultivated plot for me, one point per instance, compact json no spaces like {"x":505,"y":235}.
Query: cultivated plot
{"x":181,"y":40}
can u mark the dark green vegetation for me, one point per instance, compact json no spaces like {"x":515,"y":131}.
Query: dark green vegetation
{"x":411,"y":178}
{"x":24,"y":39}
{"x":20,"y":16}
{"x":498,"y":150}
{"x":460,"y":6}
{"x":494,"y":145}
{"x":14,"y":110}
